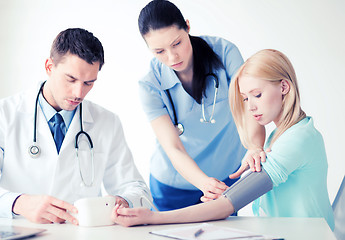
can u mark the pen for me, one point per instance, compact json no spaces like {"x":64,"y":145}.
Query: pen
{"x":198,"y":233}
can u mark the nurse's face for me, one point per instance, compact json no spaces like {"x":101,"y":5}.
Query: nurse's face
{"x":69,"y":81}
{"x":172,"y":47}
{"x":263,"y":99}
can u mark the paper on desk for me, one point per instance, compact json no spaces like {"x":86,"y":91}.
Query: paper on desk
{"x":211,"y":232}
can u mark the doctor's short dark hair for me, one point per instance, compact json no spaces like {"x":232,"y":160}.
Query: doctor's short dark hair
{"x":80,"y":42}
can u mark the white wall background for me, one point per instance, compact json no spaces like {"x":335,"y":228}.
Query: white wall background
{"x":311,"y":33}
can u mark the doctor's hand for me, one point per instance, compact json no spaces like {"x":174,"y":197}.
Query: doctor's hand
{"x":252,"y":160}
{"x":212,"y":189}
{"x":44,"y":209}
{"x":131,"y":216}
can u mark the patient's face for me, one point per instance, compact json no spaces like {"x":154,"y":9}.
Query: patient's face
{"x":262,"y":98}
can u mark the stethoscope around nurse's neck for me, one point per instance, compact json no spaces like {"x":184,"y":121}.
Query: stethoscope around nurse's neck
{"x":179,"y":126}
{"x":35,"y":151}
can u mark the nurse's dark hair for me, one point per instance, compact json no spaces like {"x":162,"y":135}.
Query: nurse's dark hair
{"x":159,"y":14}
{"x":80,"y":42}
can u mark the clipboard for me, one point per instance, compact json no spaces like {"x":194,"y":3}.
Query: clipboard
{"x":209,"y":232}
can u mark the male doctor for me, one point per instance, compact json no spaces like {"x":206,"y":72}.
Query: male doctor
{"x":41,"y":186}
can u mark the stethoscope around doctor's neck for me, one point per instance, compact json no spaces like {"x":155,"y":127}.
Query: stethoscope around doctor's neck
{"x":35,"y":151}
{"x":203,"y":119}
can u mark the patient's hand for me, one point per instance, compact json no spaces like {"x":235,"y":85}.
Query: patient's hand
{"x":131,"y":216}
{"x":252,"y":160}
{"x":121,"y":201}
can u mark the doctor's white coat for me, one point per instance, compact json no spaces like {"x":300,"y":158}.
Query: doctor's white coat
{"x":59,"y":175}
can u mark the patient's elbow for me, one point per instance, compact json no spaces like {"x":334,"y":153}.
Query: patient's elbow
{"x":225,"y":208}
{"x":225,"y":214}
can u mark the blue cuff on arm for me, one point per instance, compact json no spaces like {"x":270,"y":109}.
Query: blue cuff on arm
{"x":248,"y":188}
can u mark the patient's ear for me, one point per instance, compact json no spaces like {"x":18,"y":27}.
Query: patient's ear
{"x":285,"y":86}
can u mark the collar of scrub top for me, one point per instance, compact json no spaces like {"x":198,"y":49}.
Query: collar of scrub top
{"x":49,"y":112}
{"x":170,"y":78}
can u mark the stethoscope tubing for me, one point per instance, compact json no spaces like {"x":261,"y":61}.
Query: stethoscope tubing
{"x":178,"y":125}
{"x":35,"y":116}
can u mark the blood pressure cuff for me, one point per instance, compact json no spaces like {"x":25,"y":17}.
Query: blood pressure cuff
{"x":248,"y":188}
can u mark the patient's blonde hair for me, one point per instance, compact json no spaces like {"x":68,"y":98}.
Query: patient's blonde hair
{"x":273,"y":66}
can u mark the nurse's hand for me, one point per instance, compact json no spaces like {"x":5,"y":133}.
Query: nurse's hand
{"x":44,"y":209}
{"x":252,"y":160}
{"x":212,"y":189}
{"x":131,"y":216}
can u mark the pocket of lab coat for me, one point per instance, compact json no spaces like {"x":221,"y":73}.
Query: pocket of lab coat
{"x":84,"y":174}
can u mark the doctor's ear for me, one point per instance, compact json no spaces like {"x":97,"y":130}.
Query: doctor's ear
{"x":285,"y":86}
{"x":48,"y":65}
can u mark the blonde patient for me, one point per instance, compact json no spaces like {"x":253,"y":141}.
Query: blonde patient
{"x":293,"y":179}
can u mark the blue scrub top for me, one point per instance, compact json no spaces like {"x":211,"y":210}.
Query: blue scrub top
{"x":216,"y":148}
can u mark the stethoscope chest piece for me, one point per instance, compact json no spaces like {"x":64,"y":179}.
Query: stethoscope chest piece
{"x":180,"y":129}
{"x":34,"y":151}
{"x":203,"y":120}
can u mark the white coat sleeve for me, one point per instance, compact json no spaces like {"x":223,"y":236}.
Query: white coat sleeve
{"x":121,"y":175}
{"x":6,"y":198}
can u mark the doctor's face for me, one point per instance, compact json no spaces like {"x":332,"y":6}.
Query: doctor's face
{"x":172,"y":47}
{"x":69,"y":81}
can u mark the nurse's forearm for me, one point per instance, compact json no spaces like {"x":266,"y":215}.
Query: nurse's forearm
{"x":210,"y":186}
{"x":168,"y":138}
{"x":187,"y":167}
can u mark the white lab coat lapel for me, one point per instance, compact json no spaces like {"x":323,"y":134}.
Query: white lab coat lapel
{"x":69,"y":139}
{"x":87,"y":117}
{"x":43,"y":129}
{"x":74,"y":128}
{"x":66,"y":165}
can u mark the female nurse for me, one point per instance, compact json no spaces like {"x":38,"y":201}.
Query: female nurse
{"x":185,"y":97}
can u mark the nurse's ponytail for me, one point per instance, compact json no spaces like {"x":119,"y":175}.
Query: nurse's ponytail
{"x":205,"y":61}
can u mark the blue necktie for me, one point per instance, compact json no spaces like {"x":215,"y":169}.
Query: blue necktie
{"x":58,"y":125}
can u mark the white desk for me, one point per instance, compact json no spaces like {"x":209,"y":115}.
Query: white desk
{"x":287,"y":228}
